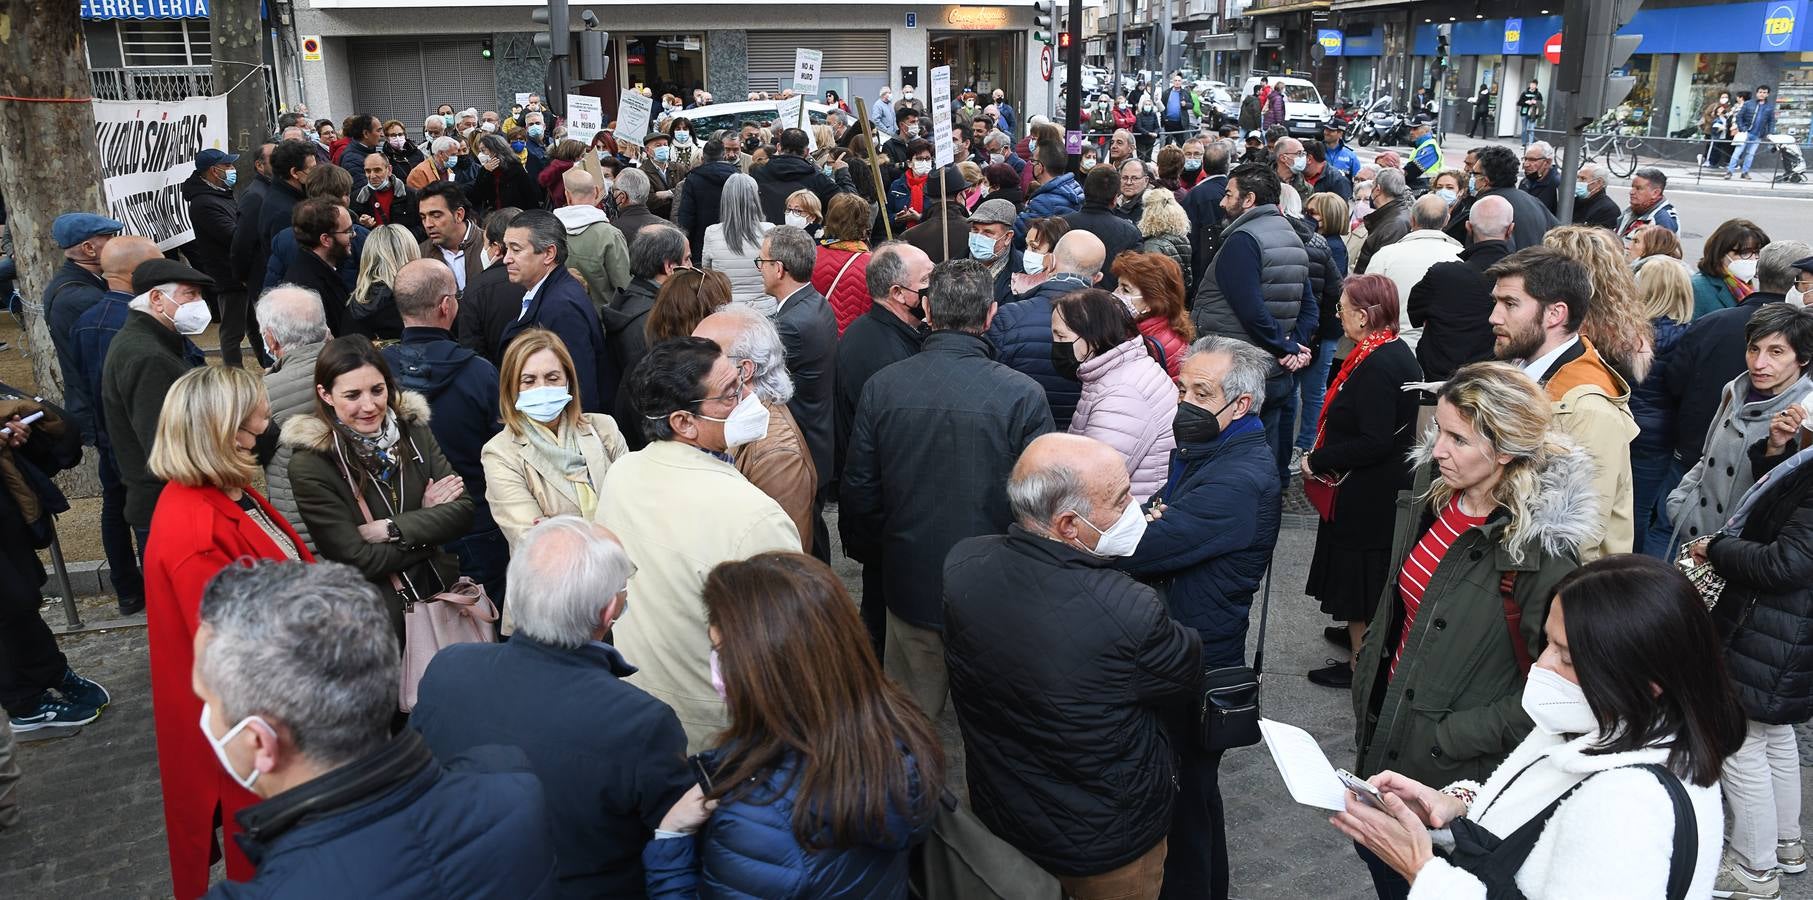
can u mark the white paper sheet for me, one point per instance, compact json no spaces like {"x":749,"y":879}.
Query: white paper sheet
{"x":1307,"y":773}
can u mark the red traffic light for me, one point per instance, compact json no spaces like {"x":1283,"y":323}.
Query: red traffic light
{"x":1064,"y":41}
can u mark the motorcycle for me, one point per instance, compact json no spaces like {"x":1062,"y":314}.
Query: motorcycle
{"x":1381,"y":122}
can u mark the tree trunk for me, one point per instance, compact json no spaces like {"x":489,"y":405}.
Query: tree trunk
{"x":42,"y":59}
{"x":237,"y":45}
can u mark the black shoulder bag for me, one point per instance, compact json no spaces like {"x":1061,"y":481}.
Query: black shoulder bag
{"x":1495,"y":860}
{"x":1228,"y":712}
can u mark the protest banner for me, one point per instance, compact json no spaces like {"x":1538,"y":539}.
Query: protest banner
{"x":585,"y":117}
{"x":806,"y":65}
{"x":943,"y":148}
{"x":633,"y":112}
{"x":147,"y":150}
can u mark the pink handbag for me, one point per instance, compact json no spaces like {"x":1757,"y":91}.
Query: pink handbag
{"x":460,"y":614}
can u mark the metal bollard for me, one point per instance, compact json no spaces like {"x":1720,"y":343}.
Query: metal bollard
{"x":71,"y":616}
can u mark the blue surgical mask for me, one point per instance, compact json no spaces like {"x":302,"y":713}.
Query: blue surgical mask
{"x":232,"y":177}
{"x":543,"y":404}
{"x":981,"y":246}
{"x":519,"y":146}
{"x":1580,"y":189}
{"x":1472,"y":184}
{"x":682,"y":138}
{"x":1448,"y":195}
{"x":535,"y":132}
{"x":1191,"y":164}
{"x":663,"y":153}
{"x":447,"y":121}
{"x":828,"y":170}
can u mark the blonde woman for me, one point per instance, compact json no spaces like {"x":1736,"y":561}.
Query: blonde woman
{"x":805,"y":212}
{"x":551,"y":457}
{"x":1500,"y":508}
{"x":1615,"y":321}
{"x":1166,"y":229}
{"x":208,"y":517}
{"x":372,"y":309}
{"x":1665,"y":288}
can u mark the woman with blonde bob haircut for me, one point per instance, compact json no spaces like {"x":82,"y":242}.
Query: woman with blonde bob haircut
{"x":1500,"y":507}
{"x":551,"y":457}
{"x":208,"y":518}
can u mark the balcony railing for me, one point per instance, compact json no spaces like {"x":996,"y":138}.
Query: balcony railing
{"x":166,"y":83}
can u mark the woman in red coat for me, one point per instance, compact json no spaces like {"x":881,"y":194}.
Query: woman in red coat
{"x":841,"y":271}
{"x":208,"y":517}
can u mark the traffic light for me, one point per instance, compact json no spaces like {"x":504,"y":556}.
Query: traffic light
{"x":555,"y":39}
{"x":1441,"y":53}
{"x":1064,"y":40}
{"x":484,"y":48}
{"x":1591,"y":48}
{"x":1043,"y":21}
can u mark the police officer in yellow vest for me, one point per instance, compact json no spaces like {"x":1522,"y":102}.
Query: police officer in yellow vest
{"x":1425,"y":160}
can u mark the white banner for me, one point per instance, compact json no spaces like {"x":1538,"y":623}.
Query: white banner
{"x":790,"y":113}
{"x":806,"y":65}
{"x":147,"y":150}
{"x":632,"y":117}
{"x":944,"y":150}
{"x":585,"y":117}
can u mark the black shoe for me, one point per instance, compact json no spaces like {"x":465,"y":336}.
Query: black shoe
{"x":1337,"y":635}
{"x":131,"y":607}
{"x":1335,"y":675}
{"x":82,"y":692}
{"x":54,"y":713}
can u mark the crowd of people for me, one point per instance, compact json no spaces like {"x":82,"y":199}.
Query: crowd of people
{"x":1057,"y":409}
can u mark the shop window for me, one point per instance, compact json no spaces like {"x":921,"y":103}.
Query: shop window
{"x":666,"y":63}
{"x":166,"y":42}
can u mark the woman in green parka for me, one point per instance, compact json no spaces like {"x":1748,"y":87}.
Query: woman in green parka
{"x":365,"y":432}
{"x":1500,"y":508}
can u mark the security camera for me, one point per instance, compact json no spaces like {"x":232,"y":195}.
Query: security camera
{"x":589,"y":18}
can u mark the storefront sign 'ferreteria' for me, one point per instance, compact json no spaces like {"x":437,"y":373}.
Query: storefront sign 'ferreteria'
{"x":144,"y":9}
{"x":977,"y":18}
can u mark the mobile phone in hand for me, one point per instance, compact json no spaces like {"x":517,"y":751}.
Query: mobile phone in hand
{"x":1359,"y":786}
{"x":700,"y":773}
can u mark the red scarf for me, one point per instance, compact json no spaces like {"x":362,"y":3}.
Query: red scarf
{"x":1372,"y":342}
{"x":1739,"y":289}
{"x":916,"y":190}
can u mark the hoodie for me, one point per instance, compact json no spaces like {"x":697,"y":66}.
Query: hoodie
{"x":461,"y":389}
{"x":598,"y":250}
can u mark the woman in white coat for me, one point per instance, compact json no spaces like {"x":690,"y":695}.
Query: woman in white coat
{"x":1634,"y":717}
{"x":551,"y":457}
{"x":732,"y":245}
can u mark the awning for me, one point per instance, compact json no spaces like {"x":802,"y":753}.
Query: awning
{"x":1217,"y":42}
{"x":100,"y":10}
{"x":1287,"y":7}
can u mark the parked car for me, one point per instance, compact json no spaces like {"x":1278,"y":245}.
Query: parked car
{"x":708,"y":119}
{"x":1217,"y":93}
{"x":1304,"y":111}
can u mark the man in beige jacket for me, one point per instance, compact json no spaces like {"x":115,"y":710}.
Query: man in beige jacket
{"x":681,"y":507}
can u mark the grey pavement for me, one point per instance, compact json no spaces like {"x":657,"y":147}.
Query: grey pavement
{"x":94,"y":817}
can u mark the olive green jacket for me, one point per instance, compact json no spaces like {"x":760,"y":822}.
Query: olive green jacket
{"x":1454,"y":708}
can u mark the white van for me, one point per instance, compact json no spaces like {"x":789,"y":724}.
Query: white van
{"x":1304,"y":111}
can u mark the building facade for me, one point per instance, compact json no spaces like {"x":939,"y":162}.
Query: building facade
{"x":402,"y":58}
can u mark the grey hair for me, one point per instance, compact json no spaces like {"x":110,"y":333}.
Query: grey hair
{"x":565,"y":573}
{"x":633,"y":182}
{"x":760,"y":342}
{"x":497,"y":146}
{"x":1391,"y":181}
{"x":1597,"y":172}
{"x":1429,"y":213}
{"x":307,"y":645}
{"x":740,"y":212}
{"x":443,"y":144}
{"x":996,"y":139}
{"x":142,"y":302}
{"x":293,"y":315}
{"x":886,"y":268}
{"x":655,"y":247}
{"x":1215,"y":155}
{"x":1775,"y":270}
{"x":961,"y":291}
{"x":1543,"y":149}
{"x":1248,"y":370}
{"x":1040,"y":495}
{"x":794,"y":250}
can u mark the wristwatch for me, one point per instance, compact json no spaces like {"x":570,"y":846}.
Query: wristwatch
{"x":396,"y":534}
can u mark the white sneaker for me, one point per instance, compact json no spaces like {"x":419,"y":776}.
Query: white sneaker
{"x":1791,"y":856}
{"x":1737,"y":882}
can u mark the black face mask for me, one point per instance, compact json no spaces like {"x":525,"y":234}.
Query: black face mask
{"x":1195,"y":425}
{"x":749,"y":144}
{"x":1063,"y":358}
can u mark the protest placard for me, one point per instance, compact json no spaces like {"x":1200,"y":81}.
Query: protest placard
{"x":147,"y":150}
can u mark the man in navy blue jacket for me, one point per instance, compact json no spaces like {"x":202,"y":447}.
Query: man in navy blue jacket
{"x":1021,"y":331}
{"x":1755,"y":120}
{"x":461,"y":387}
{"x":1203,"y":204}
{"x":535,"y":256}
{"x":610,"y":758}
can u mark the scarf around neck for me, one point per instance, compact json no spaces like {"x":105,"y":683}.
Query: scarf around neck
{"x":375,"y":454}
{"x":561,"y":453}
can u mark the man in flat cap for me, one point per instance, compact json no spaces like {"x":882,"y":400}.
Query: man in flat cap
{"x":75,"y":287}
{"x":145,"y":358}
{"x":991,"y":240}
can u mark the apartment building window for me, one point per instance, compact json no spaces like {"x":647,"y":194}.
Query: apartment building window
{"x":164,"y":42}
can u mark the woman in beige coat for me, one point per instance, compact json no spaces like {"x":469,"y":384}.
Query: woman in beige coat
{"x":551,"y":457}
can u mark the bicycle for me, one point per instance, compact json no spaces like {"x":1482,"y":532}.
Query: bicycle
{"x":1620,"y":151}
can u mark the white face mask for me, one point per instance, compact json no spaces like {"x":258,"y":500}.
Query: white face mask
{"x":484,"y":159}
{"x":1121,"y":538}
{"x":747,"y":423}
{"x":797,"y":220}
{"x":1742,"y":269}
{"x":922,"y":166}
{"x":191,"y":318}
{"x":488,"y":126}
{"x":1033,"y":262}
{"x":1795,"y":297}
{"x":220,"y":746}
{"x":1557,"y":705}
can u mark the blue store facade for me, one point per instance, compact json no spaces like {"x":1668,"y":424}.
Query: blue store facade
{"x":1689,"y":52}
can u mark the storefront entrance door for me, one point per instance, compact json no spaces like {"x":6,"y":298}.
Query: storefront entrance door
{"x":983,"y":61}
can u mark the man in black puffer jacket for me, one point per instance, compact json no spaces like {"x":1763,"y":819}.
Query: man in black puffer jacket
{"x":793,"y":171}
{"x":1061,"y":700}
{"x":1098,"y":218}
{"x":1021,"y":333}
{"x":697,"y":205}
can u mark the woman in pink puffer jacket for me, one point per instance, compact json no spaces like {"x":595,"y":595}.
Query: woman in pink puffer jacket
{"x":1128,"y":401}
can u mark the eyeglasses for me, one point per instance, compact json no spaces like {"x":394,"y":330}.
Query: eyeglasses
{"x":730,"y":396}
{"x":759,"y":260}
